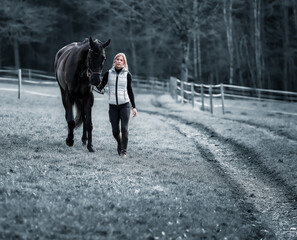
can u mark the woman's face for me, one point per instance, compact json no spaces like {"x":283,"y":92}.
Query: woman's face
{"x":119,"y":62}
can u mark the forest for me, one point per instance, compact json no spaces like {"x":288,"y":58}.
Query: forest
{"x":248,"y":43}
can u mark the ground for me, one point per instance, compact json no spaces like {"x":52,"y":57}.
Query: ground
{"x":189,"y":174}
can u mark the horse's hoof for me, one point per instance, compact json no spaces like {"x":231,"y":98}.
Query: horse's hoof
{"x":69,"y":142}
{"x":84,"y":143}
{"x":91,"y":149}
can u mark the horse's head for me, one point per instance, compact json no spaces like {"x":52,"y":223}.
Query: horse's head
{"x":95,"y":60}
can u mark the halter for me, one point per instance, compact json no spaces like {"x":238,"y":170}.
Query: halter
{"x":89,"y":71}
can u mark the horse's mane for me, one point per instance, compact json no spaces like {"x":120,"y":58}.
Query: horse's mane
{"x":83,"y":42}
{"x":86,"y":40}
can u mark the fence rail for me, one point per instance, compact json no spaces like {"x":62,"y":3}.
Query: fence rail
{"x":30,"y":76}
{"x":196,"y":94}
{"x":214,"y":95}
{"x":26,"y":76}
{"x":258,"y":93}
{"x":206,"y":96}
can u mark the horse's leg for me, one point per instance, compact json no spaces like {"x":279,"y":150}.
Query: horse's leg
{"x":88,"y":104}
{"x":81,"y":111}
{"x":84,"y":136}
{"x":69,"y":117}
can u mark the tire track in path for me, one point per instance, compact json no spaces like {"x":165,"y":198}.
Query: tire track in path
{"x":266,"y":129}
{"x":273,"y":200}
{"x":216,"y":179}
{"x":263,"y":194}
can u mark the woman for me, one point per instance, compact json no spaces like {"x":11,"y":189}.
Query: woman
{"x":120,"y":96}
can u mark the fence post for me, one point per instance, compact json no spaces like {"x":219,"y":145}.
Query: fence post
{"x":222,"y":96}
{"x":153,"y":83}
{"x":193,"y":94}
{"x":210,"y":99}
{"x":182,"y":91}
{"x":20,"y":82}
{"x":202,"y":97}
{"x":175,"y":90}
{"x":29,"y":74}
{"x":168,"y":86}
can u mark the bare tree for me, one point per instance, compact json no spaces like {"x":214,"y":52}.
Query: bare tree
{"x":258,"y":40}
{"x":227,"y":10}
{"x":197,"y":45}
{"x":24,"y":23}
{"x":178,"y":16}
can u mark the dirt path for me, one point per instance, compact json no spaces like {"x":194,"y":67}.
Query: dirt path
{"x":174,"y":150}
{"x":264,"y":192}
{"x":184,"y":178}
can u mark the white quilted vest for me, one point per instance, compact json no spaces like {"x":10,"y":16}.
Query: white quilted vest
{"x":117,"y":87}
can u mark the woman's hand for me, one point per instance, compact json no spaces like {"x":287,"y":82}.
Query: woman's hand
{"x":134,"y":112}
{"x":100,"y":89}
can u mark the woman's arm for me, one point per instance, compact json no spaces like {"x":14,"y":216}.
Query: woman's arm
{"x":103,"y":82}
{"x":131,"y":94}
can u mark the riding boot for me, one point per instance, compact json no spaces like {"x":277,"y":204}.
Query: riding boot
{"x":124,"y":144}
{"x":119,"y":140}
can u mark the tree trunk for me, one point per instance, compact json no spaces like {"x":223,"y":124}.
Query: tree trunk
{"x":185,"y":59}
{"x":150,"y":54}
{"x":1,"y":52}
{"x":238,"y":61}
{"x":195,"y":57}
{"x":134,"y":56}
{"x":250,"y":49}
{"x":285,"y":45}
{"x":133,"y":49}
{"x":111,"y":48}
{"x":197,"y":49}
{"x":248,"y":60}
{"x":258,"y":49}
{"x":16,"y":53}
{"x":229,"y":26}
{"x":199,"y":56}
{"x":215,"y":64}
{"x":263,"y":47}
{"x":295,"y":14}
{"x":293,"y":77}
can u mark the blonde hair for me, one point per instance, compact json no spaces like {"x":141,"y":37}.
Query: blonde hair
{"x":125,"y":59}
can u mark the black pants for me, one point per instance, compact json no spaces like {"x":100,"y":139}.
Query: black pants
{"x":117,"y":114}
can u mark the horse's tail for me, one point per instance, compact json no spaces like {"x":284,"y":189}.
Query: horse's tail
{"x":79,"y":113}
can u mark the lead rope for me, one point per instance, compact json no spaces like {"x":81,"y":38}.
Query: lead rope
{"x":100,"y":92}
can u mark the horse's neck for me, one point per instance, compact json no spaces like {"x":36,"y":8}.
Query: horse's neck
{"x":82,"y":52}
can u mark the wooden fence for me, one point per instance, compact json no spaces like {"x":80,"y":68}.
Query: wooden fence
{"x":29,"y":76}
{"x":212,"y":96}
{"x":197,"y":94}
{"x":151,"y":84}
{"x":206,"y":96}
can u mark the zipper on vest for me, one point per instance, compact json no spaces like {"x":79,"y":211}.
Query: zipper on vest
{"x":116,"y":89}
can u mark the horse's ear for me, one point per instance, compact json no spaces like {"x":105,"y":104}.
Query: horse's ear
{"x":91,"y":42}
{"x":106,"y":43}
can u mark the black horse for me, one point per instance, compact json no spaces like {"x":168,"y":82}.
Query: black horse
{"x":77,"y":68}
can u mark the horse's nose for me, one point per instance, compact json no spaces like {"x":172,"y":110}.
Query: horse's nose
{"x":96,"y":80}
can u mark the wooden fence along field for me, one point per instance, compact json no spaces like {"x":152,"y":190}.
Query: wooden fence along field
{"x":194,"y":93}
{"x":29,"y":76}
{"x":213,"y":96}
{"x":26,"y":76}
{"x":203,"y":95}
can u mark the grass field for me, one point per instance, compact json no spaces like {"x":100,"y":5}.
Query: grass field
{"x":167,"y":188}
